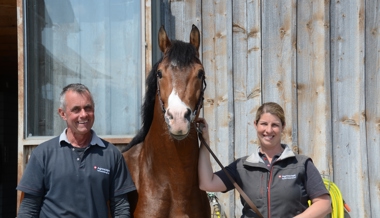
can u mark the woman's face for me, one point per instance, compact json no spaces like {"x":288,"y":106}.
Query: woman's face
{"x":269,"y":129}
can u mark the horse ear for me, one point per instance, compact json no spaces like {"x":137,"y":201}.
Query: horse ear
{"x":195,"y":37}
{"x":163,"y":39}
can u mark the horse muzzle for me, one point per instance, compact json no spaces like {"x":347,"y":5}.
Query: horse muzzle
{"x":178,"y":123}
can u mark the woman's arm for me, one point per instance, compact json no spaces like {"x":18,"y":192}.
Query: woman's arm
{"x":208,"y":181}
{"x":320,"y":207}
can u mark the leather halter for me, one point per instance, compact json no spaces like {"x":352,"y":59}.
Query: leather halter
{"x":199,"y":103}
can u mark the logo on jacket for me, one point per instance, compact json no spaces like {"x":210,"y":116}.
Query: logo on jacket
{"x":102,"y":170}
{"x":285,"y":177}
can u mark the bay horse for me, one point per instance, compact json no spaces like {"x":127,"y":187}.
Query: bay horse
{"x":163,"y":156}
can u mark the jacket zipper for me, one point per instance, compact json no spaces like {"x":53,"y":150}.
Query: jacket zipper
{"x":268,"y":187}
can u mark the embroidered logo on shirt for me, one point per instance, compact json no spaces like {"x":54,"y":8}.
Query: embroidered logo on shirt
{"x":102,"y":170}
{"x":285,"y":177}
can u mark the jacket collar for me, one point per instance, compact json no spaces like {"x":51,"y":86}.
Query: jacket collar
{"x":255,"y":158}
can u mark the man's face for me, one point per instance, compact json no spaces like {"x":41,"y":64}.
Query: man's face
{"x":79,"y":112}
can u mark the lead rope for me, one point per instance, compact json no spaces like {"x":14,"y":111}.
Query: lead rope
{"x":242,"y":193}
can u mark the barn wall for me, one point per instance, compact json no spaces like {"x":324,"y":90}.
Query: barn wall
{"x":372,"y":104}
{"x":318,"y":59}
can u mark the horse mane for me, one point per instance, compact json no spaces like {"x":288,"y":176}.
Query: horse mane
{"x":184,"y":54}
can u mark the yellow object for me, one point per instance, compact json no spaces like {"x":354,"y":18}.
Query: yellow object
{"x":336,"y":199}
{"x":337,"y":202}
{"x":216,"y":207}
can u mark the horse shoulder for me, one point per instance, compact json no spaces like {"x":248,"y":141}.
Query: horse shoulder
{"x":131,"y":157}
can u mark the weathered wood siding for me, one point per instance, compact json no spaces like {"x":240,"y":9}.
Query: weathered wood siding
{"x":319,"y":59}
{"x":372,"y":105}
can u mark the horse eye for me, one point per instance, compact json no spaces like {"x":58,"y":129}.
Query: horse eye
{"x":159,"y":74}
{"x":201,"y":74}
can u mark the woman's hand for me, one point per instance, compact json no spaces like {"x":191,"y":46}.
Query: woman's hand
{"x":208,"y":181}
{"x":202,"y":127}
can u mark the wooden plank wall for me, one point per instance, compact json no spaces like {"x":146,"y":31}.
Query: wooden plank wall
{"x":372,"y":103}
{"x":319,"y":59}
{"x":350,"y":164}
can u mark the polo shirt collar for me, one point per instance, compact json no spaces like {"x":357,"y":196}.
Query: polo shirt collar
{"x":255,"y":156}
{"x":95,"y":140}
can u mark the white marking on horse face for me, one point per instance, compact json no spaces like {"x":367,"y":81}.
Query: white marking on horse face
{"x":175,"y":101}
{"x":173,"y":63}
{"x":175,"y":115}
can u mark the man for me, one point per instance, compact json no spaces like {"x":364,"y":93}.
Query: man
{"x":76,"y":174}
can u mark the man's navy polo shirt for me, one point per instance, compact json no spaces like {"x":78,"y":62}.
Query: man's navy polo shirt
{"x":73,"y":186}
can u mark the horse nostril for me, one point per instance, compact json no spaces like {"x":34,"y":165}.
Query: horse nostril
{"x":187,"y":114}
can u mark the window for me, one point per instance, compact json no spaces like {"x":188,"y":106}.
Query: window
{"x":97,"y":43}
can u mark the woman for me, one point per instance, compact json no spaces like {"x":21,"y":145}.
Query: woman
{"x":278,"y":182}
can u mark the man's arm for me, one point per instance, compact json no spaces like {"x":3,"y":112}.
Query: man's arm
{"x":119,"y":207}
{"x":30,"y":206}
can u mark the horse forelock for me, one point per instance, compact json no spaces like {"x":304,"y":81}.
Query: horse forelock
{"x":181,"y":54}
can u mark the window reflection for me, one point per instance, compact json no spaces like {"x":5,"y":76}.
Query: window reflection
{"x":97,"y":43}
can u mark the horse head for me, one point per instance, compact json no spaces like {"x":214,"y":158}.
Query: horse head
{"x":180,"y":82}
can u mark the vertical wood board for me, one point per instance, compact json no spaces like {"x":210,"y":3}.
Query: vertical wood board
{"x":348,"y":95}
{"x":372,"y":105}
{"x":217,"y":33}
{"x":313,"y":83}
{"x":21,"y":94}
{"x":278,"y":62}
{"x":246,"y":78}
